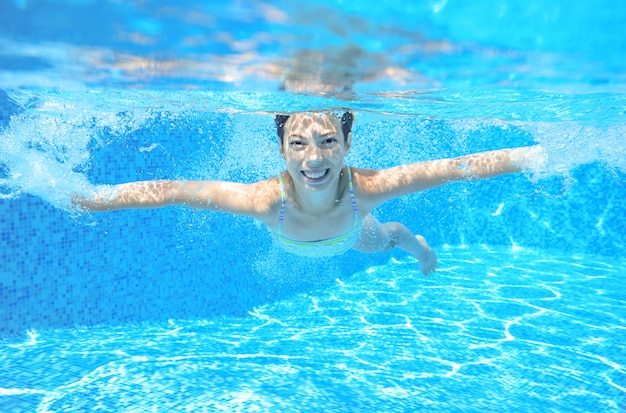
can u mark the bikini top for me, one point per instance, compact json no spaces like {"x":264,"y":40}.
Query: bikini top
{"x":332,"y":246}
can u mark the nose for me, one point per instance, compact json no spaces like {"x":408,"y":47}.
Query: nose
{"x":314,"y":155}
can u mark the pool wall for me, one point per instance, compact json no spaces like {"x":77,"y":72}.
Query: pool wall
{"x":154,"y":265}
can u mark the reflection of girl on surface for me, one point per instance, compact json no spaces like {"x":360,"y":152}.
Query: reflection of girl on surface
{"x":319,"y":206}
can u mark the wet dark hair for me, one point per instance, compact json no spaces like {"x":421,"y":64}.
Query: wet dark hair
{"x":346,"y":125}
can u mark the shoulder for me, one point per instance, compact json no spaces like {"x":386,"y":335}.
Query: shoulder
{"x":368,"y":185}
{"x":266,"y":198}
{"x":367,"y":181}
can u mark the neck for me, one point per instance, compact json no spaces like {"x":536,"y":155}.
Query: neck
{"x":320,"y":200}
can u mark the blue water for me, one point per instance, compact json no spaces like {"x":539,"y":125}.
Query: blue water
{"x":494,"y":330}
{"x":175,"y":310}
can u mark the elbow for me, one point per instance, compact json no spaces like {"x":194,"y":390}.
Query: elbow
{"x":169,"y":193}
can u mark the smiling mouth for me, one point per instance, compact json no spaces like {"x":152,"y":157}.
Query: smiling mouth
{"x":315,"y":176}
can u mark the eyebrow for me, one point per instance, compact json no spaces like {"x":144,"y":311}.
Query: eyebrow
{"x":326,"y":132}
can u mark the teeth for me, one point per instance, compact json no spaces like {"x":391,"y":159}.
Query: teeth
{"x":314,"y":174}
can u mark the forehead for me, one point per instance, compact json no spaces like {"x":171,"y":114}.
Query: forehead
{"x":304,"y":121}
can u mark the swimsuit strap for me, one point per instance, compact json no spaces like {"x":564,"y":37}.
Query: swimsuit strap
{"x":283,"y":201}
{"x":353,"y":197}
{"x":282,"y":205}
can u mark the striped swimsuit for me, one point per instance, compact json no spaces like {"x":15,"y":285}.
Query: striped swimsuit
{"x":332,"y":246}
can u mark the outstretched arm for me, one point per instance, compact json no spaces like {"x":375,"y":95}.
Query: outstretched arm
{"x":382,"y":185}
{"x":256,"y":200}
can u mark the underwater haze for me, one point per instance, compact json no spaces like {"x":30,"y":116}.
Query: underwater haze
{"x":176,"y":310}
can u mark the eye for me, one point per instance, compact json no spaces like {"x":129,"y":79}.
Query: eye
{"x":296,"y":143}
{"x":330,"y":140}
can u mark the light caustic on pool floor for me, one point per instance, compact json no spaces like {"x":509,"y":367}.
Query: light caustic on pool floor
{"x":495,"y":329}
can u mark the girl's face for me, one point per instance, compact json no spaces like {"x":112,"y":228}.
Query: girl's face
{"x":314,"y":149}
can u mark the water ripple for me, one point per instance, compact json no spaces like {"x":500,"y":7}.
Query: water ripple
{"x":510,"y":331}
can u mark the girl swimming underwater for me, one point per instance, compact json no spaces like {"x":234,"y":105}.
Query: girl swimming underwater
{"x":318,"y":206}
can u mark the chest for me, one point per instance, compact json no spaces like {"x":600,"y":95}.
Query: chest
{"x":299,"y":225}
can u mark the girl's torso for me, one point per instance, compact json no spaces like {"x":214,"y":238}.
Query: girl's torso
{"x":333,"y":233}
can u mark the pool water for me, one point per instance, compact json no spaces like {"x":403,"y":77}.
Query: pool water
{"x":175,"y":310}
{"x":493,"y":330}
